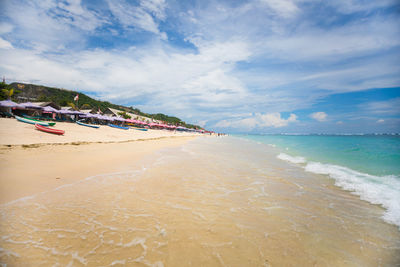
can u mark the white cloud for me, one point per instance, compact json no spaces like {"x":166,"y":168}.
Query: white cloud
{"x":319,"y":116}
{"x":380,"y":121}
{"x":174,"y":80}
{"x":51,"y":25}
{"x":201,"y":123}
{"x":339,"y":122}
{"x":141,"y":16}
{"x":275,"y":120}
{"x":258,"y":120}
{"x":388,"y":107}
{"x":247,"y":57}
{"x":284,"y":8}
{"x":155,"y":7}
{"x":342,"y":42}
{"x":5,"y":44}
{"x":6,"y":28}
{"x":72,"y":12}
{"x":351,"y":6}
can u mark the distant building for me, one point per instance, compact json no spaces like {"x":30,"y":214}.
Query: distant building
{"x":116,"y":113}
{"x":26,"y":99}
{"x":92,"y":111}
{"x":67,"y":108}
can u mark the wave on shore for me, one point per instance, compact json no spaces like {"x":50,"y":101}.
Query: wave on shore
{"x":382,"y":190}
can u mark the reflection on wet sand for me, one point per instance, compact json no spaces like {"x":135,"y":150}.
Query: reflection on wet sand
{"x":212,"y":203}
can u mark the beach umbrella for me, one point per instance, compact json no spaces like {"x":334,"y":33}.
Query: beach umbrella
{"x":140,"y":122}
{"x":107,"y":118}
{"x":63,"y":111}
{"x":119,"y":119}
{"x":87,"y":115}
{"x":29,"y":105}
{"x":76,"y":112}
{"x":8,"y":104}
{"x":51,"y":109}
{"x":101,"y":117}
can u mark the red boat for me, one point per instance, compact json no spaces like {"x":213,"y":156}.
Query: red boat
{"x":49,"y":130}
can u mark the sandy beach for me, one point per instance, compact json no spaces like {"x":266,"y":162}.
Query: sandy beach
{"x":13,"y":132}
{"x":110,"y":197}
{"x":32,"y":161}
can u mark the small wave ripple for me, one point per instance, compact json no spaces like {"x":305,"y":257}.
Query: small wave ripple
{"x":382,"y":190}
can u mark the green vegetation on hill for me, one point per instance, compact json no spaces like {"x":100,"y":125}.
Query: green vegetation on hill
{"x":63,"y":97}
{"x":7,"y":91}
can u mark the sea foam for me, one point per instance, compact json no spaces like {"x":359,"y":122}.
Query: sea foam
{"x":382,"y":190}
{"x":291,"y":159}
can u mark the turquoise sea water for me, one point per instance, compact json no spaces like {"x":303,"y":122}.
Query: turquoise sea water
{"x":366,"y":165}
{"x":376,"y":155}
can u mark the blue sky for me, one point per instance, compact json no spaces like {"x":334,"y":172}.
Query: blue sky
{"x":261,"y":66}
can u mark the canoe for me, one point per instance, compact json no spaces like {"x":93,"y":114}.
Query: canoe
{"x":119,"y":127}
{"x":87,"y":125}
{"x":139,"y":129}
{"x":38,"y":121}
{"x":49,"y":130}
{"x":42,"y":123}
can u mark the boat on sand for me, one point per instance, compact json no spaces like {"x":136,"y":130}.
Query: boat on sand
{"x":117,"y":126}
{"x":32,"y":121}
{"x":36,"y":120}
{"x":87,"y":125}
{"x":139,"y":129}
{"x":49,"y":130}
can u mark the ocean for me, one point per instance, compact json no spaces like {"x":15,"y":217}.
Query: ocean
{"x":215,"y":201}
{"x":366,"y":165}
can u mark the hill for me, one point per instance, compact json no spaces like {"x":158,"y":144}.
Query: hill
{"x":32,"y":92}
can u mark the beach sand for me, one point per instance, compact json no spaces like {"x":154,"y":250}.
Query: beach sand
{"x":179,"y":202}
{"x":32,"y":161}
{"x":13,"y":132}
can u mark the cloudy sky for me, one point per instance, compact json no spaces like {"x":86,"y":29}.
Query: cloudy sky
{"x":261,"y":66}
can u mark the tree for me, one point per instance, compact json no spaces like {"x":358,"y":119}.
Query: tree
{"x":6,"y":90}
{"x":85,"y":106}
{"x":124,"y":115}
{"x":72,"y":105}
{"x":44,"y":98}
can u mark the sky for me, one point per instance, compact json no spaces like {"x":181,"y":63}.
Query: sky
{"x":260,"y":66}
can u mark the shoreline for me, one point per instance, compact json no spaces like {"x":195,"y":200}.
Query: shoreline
{"x":37,"y":145}
{"x":209,"y":201}
{"x":29,"y":167}
{"x":29,"y":171}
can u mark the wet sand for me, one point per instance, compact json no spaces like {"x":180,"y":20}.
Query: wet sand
{"x":206,"y":202}
{"x":26,"y":171}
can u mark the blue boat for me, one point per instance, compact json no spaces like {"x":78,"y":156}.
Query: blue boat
{"x":88,"y":125}
{"x":119,"y":127}
{"x":139,"y":129}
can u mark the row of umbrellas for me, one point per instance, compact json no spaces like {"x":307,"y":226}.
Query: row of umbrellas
{"x":48,"y":109}
{"x":12,"y":104}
